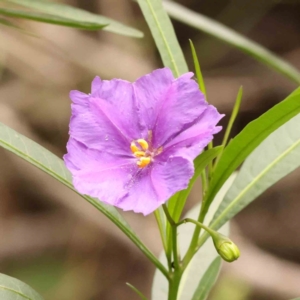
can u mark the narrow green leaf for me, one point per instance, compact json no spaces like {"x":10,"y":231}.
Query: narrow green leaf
{"x":277,"y":156}
{"x":14,"y":289}
{"x":49,"y":19}
{"x":161,"y":223}
{"x":54,"y":166}
{"x":249,"y":138}
{"x":202,"y":259}
{"x":208,"y":280}
{"x":76,"y":15}
{"x":164,"y":35}
{"x":198,"y":70}
{"x":231,"y":37}
{"x":136,"y":291}
{"x":233,"y":116}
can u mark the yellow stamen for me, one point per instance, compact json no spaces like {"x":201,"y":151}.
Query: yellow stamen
{"x":143,"y":144}
{"x":143,"y":162}
{"x":139,"y":153}
{"x":134,"y":147}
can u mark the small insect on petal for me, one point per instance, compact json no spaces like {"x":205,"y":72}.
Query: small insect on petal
{"x":143,"y":162}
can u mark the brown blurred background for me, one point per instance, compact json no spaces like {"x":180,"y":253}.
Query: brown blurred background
{"x":55,"y":241}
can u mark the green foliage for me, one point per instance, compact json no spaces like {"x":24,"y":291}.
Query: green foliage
{"x":231,"y":37}
{"x":249,"y":138}
{"x":233,"y":288}
{"x":198,"y":72}
{"x":57,"y":13}
{"x":51,"y":164}
{"x":208,"y":280}
{"x":200,"y":262}
{"x":277,"y":156}
{"x":49,"y":19}
{"x":177,"y":202}
{"x":164,"y":35}
{"x":14,"y":289}
{"x":136,"y":291}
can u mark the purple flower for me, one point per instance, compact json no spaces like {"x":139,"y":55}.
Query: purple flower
{"x":132,"y":145}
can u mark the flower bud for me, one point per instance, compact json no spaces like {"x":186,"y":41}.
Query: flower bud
{"x":226,"y":248}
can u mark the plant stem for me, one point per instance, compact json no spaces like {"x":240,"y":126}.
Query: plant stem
{"x":174,"y":284}
{"x":173,"y":236}
{"x":194,"y":243}
{"x":189,"y":220}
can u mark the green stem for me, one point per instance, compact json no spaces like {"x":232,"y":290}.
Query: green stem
{"x":174,"y":284}
{"x":189,"y":220}
{"x":174,"y":236}
{"x":193,"y":248}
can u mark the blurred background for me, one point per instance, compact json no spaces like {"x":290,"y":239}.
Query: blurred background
{"x":63,"y":247}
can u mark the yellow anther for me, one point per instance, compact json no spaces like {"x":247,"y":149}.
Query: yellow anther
{"x":143,"y":162}
{"x":134,"y":147}
{"x":143,"y":144}
{"x":139,"y":153}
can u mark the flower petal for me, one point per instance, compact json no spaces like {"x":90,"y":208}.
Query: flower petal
{"x":191,"y":142}
{"x":107,"y":119}
{"x":99,"y":174}
{"x":150,"y":91}
{"x":168,"y":105}
{"x":154,"y":185}
{"x":120,"y":94}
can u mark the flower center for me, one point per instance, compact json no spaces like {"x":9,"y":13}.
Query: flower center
{"x":140,"y":149}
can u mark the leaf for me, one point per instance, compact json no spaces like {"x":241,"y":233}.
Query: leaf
{"x":164,"y":35}
{"x":136,"y":291}
{"x":198,"y":72}
{"x":54,"y":166}
{"x":77,"y":15}
{"x":49,"y":19}
{"x":14,"y":289}
{"x":249,"y":138}
{"x":208,"y":280}
{"x":231,"y":37}
{"x":202,"y":259}
{"x":277,"y":156}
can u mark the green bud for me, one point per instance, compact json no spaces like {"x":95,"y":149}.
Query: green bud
{"x":226,"y":248}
